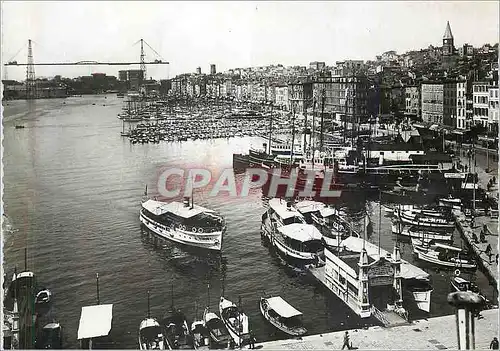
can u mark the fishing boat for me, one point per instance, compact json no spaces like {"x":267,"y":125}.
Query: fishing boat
{"x":426,"y":221}
{"x":282,"y":315}
{"x":50,"y":337}
{"x":216,"y":328}
{"x":201,"y":335}
{"x":19,"y":127}
{"x":184,"y":223}
{"x":176,"y":331}
{"x":415,"y":232}
{"x":451,"y":202}
{"x":287,"y":230}
{"x":43,"y":296}
{"x":151,"y":335}
{"x":235,"y":321}
{"x":445,"y":256}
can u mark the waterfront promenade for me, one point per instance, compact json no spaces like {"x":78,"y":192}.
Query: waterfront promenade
{"x":437,"y":333}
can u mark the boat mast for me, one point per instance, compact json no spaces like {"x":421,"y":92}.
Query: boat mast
{"x":149,"y":314}
{"x":313,"y":139}
{"x":379,"y":219}
{"x":270,"y":128}
{"x":25,"y":259}
{"x":97,"y":283}
{"x":172,"y":296}
{"x":240,"y":327}
{"x":293,"y":136}
{"x":321,"y":121}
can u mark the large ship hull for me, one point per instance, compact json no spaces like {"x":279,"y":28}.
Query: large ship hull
{"x":208,"y":241}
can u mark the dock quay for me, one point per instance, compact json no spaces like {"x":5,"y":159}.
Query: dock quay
{"x":428,"y":334}
{"x":487,"y":263}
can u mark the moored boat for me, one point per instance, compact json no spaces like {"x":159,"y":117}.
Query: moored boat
{"x":282,"y":315}
{"x":50,"y":337}
{"x":425,"y":221}
{"x":286,"y":229}
{"x":415,"y":232}
{"x":151,"y":335}
{"x":184,"y":223}
{"x":176,"y":330}
{"x":235,"y":321}
{"x":201,"y":335}
{"x":445,"y":256}
{"x":216,"y":328}
{"x":460,"y":284}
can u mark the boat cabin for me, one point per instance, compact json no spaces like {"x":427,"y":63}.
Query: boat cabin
{"x":95,"y":325}
{"x":184,"y":215}
{"x":282,"y":213}
{"x":301,"y":237}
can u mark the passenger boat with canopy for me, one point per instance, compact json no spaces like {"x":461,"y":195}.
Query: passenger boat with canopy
{"x":184,"y":223}
{"x":287,"y":230}
{"x":282,"y":315}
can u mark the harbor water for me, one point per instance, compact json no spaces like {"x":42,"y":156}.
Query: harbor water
{"x":72,"y":192}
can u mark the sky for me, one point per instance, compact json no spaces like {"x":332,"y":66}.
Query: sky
{"x":230,"y":34}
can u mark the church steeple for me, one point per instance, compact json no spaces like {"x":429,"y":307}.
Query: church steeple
{"x":448,"y":47}
{"x":447,"y":32}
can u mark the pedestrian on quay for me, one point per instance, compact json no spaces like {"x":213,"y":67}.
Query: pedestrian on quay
{"x":252,"y":340}
{"x":494,"y":344}
{"x":346,"y":341}
{"x":488,"y":252}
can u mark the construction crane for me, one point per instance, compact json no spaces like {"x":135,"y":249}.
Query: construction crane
{"x":83,"y":63}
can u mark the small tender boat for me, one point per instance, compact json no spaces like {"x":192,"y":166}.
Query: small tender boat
{"x":151,"y":335}
{"x":216,"y":328}
{"x":43,"y":296}
{"x":414,"y":232}
{"x":50,"y":337}
{"x":235,"y":321}
{"x":282,"y":315}
{"x":461,"y":284}
{"x":176,"y":331}
{"x":19,"y":127}
{"x":445,"y":255}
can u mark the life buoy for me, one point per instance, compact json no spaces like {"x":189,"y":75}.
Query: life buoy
{"x":200,"y":230}
{"x":182,"y":227}
{"x":194,"y":230}
{"x":457,"y":272}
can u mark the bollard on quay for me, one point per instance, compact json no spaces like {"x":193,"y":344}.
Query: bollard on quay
{"x":466,"y":303}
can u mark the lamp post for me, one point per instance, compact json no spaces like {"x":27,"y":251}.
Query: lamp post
{"x":466,"y":303}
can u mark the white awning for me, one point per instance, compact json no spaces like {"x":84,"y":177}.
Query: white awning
{"x":283,"y":308}
{"x":95,"y":321}
{"x":301,"y":232}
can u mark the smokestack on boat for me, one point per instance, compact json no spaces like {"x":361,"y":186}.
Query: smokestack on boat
{"x":186,"y":202}
{"x":289,"y":205}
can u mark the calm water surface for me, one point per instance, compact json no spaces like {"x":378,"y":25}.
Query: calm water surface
{"x":73,"y":188}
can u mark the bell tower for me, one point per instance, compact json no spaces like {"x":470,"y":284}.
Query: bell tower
{"x":448,"y":47}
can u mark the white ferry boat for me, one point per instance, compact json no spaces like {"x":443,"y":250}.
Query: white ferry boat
{"x":287,"y":230}
{"x":184,"y":223}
